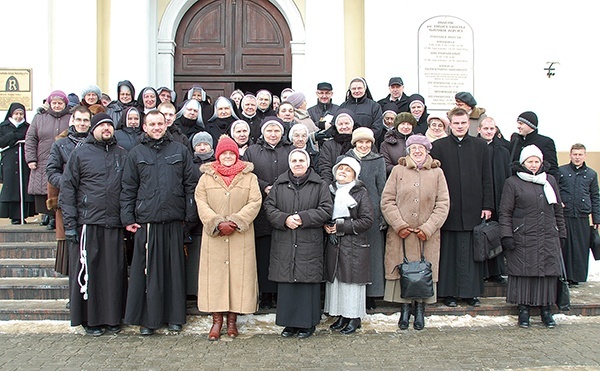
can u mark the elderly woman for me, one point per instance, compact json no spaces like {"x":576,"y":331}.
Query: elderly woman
{"x":264,"y":101}
{"x":297,"y":207}
{"x":347,"y":256}
{"x":418,"y":109}
{"x":222,"y":118}
{"x":240,"y":133}
{"x":45,"y":126}
{"x":125,"y":99}
{"x":533,"y":232}
{"x":236,"y":97}
{"x":270,"y":158}
{"x":189,"y":118}
{"x":415,"y":203}
{"x":394,"y":142}
{"x":205,"y":109}
{"x":300,"y":138}
{"x":12,"y":130}
{"x":228,"y":200}
{"x":437,"y":127}
{"x":341,"y":143}
{"x":373,"y":176}
{"x":390,"y":111}
{"x":91,"y":95}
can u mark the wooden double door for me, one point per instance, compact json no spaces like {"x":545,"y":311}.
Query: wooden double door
{"x":223,"y":45}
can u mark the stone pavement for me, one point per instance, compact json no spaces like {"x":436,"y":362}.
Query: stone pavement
{"x":467,"y":343}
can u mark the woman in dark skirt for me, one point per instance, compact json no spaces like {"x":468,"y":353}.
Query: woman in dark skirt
{"x":533,"y":231}
{"x":297,"y":207}
{"x":13,"y":129}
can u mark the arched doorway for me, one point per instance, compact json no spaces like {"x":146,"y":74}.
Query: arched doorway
{"x":225,"y":44}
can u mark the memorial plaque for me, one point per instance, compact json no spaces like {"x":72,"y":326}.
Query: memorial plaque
{"x":15,"y":86}
{"x":445,"y":60}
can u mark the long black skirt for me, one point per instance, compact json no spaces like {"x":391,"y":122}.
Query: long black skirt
{"x":157,"y":278}
{"x":192,"y":265}
{"x":577,"y":248}
{"x":534,"y":291}
{"x":298,"y":304}
{"x":106,"y":271}
{"x":459,"y":276}
{"x":263,"y":257}
{"x":12,"y":209}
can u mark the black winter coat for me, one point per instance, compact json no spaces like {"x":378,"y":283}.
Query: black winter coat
{"x":579,"y":192}
{"x":297,"y":254}
{"x":350,"y":260}
{"x":367,"y":113}
{"x":254,"y":122}
{"x":319,"y":111}
{"x":535,"y":226}
{"x":128,"y":137}
{"x":544,"y":143}
{"x":402,"y":103}
{"x":158,"y":183}
{"x":467,"y":168}
{"x":269,"y":163}
{"x":500,"y":160}
{"x":91,"y":185}
{"x":60,"y":152}
{"x":9,"y":166}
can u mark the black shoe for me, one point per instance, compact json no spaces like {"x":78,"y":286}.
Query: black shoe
{"x":16,"y":221}
{"x":547,"y":319}
{"x":497,"y":279}
{"x":450,"y":301}
{"x":573,"y":283}
{"x":68,"y":306}
{"x":51,"y":224}
{"x":351,"y":327}
{"x":524,"y":316}
{"x":266,"y":301}
{"x":174,"y":327}
{"x":94,"y":330}
{"x":473,"y":302}
{"x":145,"y":331}
{"x":405,"y":310}
{"x":113,"y":329}
{"x":45,"y":219}
{"x":304,"y":333}
{"x":288,"y":332}
{"x":340,"y":323}
{"x":371,"y":302}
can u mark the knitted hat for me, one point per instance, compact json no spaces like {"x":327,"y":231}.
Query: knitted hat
{"x":362,"y":133}
{"x":73,"y":100}
{"x":296,"y":99}
{"x":466,"y":98}
{"x":529,"y":118}
{"x":58,"y":94}
{"x":350,"y":161}
{"x":440,"y":116}
{"x":226,"y":144}
{"x":324,"y":86}
{"x":528,"y":151}
{"x":202,"y":137}
{"x":396,"y":81}
{"x":419,"y":139}
{"x":405,"y":117}
{"x":101,"y":118}
{"x":91,"y":89}
{"x":303,"y":151}
{"x":271,"y":120}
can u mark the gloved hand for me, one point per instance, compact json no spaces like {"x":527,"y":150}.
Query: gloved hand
{"x":421,"y":235}
{"x":322,"y":135}
{"x":333,"y":239}
{"x":225,"y":228}
{"x":403,"y":233}
{"x":71,"y":235}
{"x":508,"y":243}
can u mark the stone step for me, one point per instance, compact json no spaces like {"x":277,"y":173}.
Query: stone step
{"x":28,"y":268}
{"x":28,"y":250}
{"x":39,"y":288}
{"x":34,"y":310}
{"x":26,"y":233}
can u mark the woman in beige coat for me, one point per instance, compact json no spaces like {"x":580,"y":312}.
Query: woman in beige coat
{"x":415,"y":204}
{"x":228,"y":199}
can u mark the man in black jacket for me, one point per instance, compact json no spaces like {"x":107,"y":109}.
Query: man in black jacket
{"x":396,"y":95}
{"x":89,"y":198}
{"x":157,"y":197}
{"x":322,"y":113}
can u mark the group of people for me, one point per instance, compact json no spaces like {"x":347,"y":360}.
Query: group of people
{"x":254,"y":202}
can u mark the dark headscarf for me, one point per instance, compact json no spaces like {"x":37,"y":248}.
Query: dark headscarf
{"x":13,"y":107}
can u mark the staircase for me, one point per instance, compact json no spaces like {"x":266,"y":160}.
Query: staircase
{"x":30,"y":289}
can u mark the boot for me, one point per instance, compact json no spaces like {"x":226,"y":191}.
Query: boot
{"x":405,"y":309}
{"x":339,"y":323}
{"x":351,"y":327}
{"x":215,"y":330}
{"x":419,"y":323}
{"x":232,"y":330}
{"x":547,"y":319}
{"x":524,"y":316}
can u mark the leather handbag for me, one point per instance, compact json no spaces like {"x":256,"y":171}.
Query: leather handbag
{"x":486,"y":240}
{"x":563,"y":297}
{"x":416,"y":278}
{"x":595,"y":243}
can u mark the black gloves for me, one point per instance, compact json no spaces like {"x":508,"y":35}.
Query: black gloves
{"x":508,"y":243}
{"x":72,"y":236}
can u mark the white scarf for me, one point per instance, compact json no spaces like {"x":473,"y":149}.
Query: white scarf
{"x":15,"y":122}
{"x":343,"y":202}
{"x":540,"y":179}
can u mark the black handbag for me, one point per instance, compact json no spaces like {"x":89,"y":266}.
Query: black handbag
{"x":486,"y":240}
{"x":563,"y":297}
{"x":416,"y":278}
{"x":595,"y":243}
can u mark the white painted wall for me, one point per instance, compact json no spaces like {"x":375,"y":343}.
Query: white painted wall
{"x":513,"y":41}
